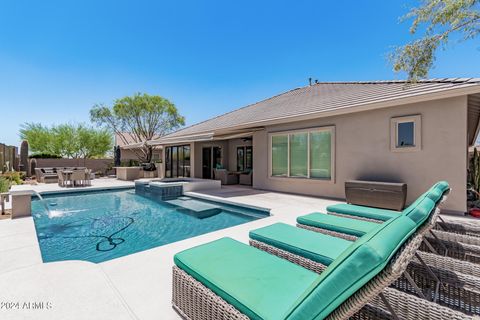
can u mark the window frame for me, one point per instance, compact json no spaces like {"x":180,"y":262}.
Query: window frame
{"x":308,"y":131}
{"x":417,"y":133}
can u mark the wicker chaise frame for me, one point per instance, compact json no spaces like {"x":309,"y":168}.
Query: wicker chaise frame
{"x":466,"y":228}
{"x":192,"y":300}
{"x":455,"y":290}
{"x":458,"y":243}
{"x":413,"y":308}
{"x":457,"y":246}
{"x":449,"y":288}
{"x":453,"y":249}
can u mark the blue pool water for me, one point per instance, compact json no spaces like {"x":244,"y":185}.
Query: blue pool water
{"x":99,"y":226}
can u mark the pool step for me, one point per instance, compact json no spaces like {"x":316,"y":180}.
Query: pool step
{"x":195,"y":208}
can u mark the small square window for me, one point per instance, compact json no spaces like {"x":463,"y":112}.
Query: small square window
{"x":405,"y":133}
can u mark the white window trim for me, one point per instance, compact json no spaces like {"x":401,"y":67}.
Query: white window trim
{"x":417,"y":136}
{"x":308,"y":131}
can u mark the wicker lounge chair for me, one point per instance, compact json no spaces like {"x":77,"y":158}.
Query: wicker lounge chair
{"x":315,"y":251}
{"x":346,"y":226}
{"x":381,"y":215}
{"x":425,"y":277}
{"x":226,"y":279}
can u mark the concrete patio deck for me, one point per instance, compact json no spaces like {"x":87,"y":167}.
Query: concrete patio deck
{"x":137,"y":286}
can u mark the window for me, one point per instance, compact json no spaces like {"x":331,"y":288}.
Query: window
{"x":405,"y":133}
{"x":248,"y":158}
{"x":299,"y":155}
{"x":240,"y":159}
{"x":303,"y":154}
{"x":321,"y":155}
{"x":177,"y":161}
{"x":280,"y":155}
{"x":244,"y":158}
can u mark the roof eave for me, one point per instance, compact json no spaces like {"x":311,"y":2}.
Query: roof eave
{"x":386,"y":103}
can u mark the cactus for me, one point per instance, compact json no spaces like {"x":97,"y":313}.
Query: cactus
{"x":474,"y":174}
{"x":24,"y":157}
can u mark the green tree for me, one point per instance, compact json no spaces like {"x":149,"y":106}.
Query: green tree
{"x":142,"y":117}
{"x":441,"y":21}
{"x":68,"y":140}
{"x":93,"y":143}
{"x":38,"y":136}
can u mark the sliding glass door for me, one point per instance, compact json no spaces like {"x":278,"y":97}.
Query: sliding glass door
{"x":244,"y":158}
{"x":177,"y":161}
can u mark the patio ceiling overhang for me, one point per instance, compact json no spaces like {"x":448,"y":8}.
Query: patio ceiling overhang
{"x":137,"y":146}
{"x":210,"y":136}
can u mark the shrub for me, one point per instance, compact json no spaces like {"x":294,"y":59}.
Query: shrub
{"x":130,"y":163}
{"x":14,"y":177}
{"x":4,"y":184}
{"x":44,"y":156}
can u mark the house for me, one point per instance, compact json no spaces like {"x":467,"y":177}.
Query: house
{"x":310,"y":140}
{"x":128,"y":144}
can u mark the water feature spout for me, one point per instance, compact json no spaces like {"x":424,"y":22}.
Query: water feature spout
{"x":45,"y":204}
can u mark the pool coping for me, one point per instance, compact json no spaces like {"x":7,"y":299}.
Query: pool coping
{"x":79,"y":190}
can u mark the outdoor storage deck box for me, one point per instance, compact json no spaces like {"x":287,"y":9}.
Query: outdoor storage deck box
{"x":385,"y":195}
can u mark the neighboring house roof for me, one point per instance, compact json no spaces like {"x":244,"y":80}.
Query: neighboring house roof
{"x":329,"y":98}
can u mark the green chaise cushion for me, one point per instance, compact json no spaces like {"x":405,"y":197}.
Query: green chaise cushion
{"x":435,"y":193}
{"x":353,"y":227}
{"x":364,"y":259}
{"x":418,"y":211}
{"x":309,"y":244}
{"x":438,"y":190}
{"x":364,"y":212}
{"x":260,"y":285}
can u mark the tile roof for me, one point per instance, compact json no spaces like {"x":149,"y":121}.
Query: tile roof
{"x":324,"y":97}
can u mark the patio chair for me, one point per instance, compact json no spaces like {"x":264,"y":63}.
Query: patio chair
{"x":246,"y":178}
{"x":88,"y":177}
{"x":424,"y":276}
{"x":61,"y":179}
{"x":46,"y":175}
{"x":226,"y":279}
{"x":78,"y":178}
{"x":225,"y":176}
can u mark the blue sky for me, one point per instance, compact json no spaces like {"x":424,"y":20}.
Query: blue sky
{"x":58,"y":58}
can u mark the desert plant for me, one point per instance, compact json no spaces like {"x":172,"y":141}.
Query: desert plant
{"x":24,"y":157}
{"x":130,"y":163}
{"x":4,"y":184}
{"x":14,"y":177}
{"x":474,"y":171}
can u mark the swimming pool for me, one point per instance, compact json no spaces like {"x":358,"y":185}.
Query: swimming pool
{"x":99,"y":226}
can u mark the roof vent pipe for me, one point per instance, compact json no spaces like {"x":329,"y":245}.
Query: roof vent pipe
{"x":309,"y":81}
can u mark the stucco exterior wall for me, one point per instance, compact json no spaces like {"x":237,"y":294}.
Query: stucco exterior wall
{"x":362,"y":151}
